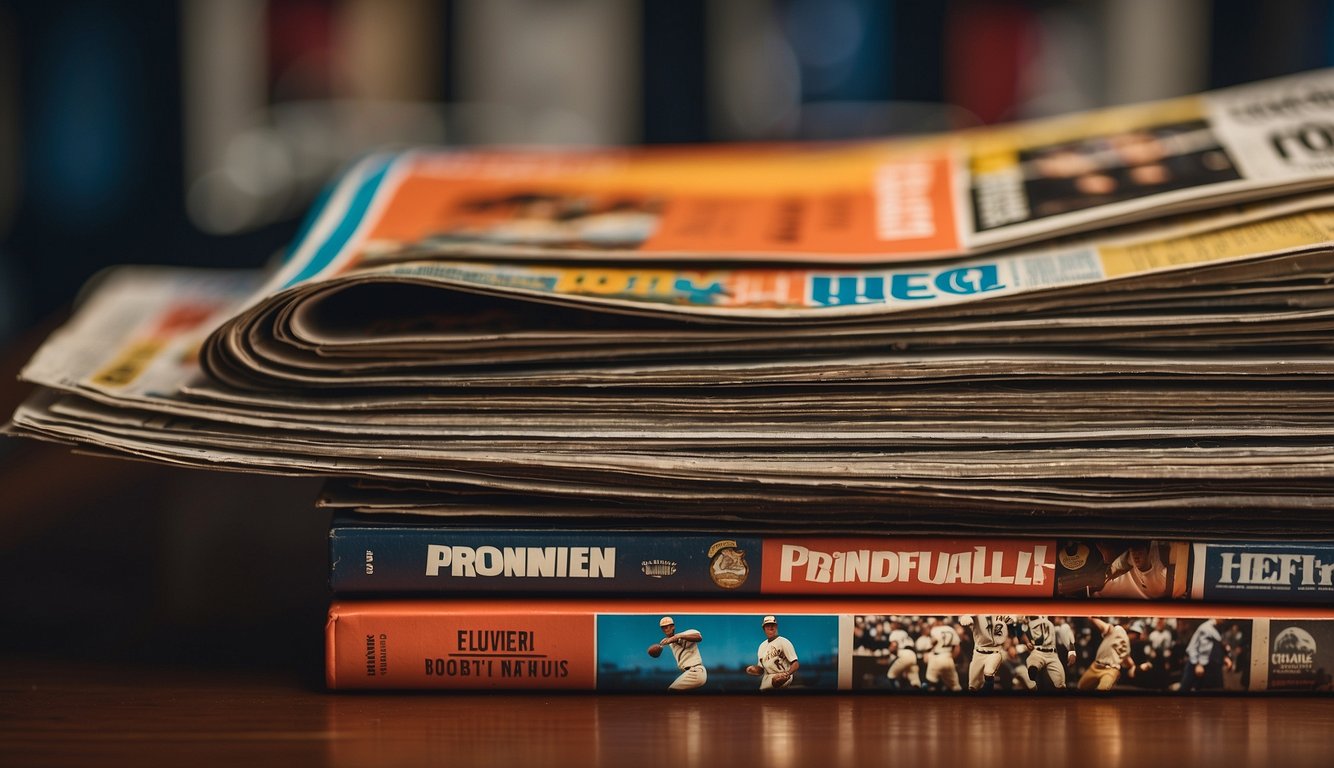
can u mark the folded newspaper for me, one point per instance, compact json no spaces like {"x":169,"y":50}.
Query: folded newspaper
{"x":1111,"y":321}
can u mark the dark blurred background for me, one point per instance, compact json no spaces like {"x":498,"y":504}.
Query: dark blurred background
{"x":199,"y":131}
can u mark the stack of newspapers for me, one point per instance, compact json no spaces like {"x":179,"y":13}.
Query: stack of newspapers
{"x":785,"y":417}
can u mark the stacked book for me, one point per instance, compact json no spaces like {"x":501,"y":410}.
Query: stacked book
{"x":1041,"y":406}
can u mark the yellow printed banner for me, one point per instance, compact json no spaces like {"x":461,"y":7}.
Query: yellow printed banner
{"x":1283,"y":233}
{"x":129,"y":364}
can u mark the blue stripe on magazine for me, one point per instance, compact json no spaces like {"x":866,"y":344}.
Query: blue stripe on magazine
{"x":356,"y":212}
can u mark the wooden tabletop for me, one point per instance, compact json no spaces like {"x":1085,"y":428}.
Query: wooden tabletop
{"x":101,"y":713}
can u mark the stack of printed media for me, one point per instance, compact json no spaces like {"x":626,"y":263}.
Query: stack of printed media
{"x":857,"y":394}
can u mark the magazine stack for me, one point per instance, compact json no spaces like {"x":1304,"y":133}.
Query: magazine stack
{"x":1032,"y":408}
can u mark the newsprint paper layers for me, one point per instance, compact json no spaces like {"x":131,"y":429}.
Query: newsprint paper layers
{"x":1156,"y":376}
{"x":1234,"y":279}
{"x":939,"y":440}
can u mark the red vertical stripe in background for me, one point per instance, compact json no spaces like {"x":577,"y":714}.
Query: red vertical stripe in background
{"x":301,"y":49}
{"x":989,"y":45}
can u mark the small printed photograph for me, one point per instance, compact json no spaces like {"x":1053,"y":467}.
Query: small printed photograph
{"x":717,"y":653}
{"x":1100,"y":170}
{"x":1162,"y":654}
{"x":955,"y":653}
{"x":1120,"y":569}
{"x":551,"y":220}
{"x":1022,"y":654}
{"x":905,"y":653}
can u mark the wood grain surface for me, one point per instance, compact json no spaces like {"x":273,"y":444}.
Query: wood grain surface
{"x":71,"y":714}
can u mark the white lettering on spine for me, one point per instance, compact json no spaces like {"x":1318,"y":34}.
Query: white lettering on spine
{"x":1257,"y":569}
{"x":522,"y":562}
{"x":981,"y":565}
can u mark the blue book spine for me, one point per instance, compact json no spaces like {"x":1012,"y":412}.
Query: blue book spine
{"x":370,"y":557}
{"x":1268,"y":571}
{"x":420,"y":560}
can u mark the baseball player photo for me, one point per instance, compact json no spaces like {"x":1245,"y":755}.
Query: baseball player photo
{"x":1016,"y":668}
{"x":1042,"y":636}
{"x":1206,"y":658}
{"x":941,"y":673}
{"x":1113,"y":655}
{"x":1141,"y":572}
{"x":989,"y":633}
{"x":777,"y":658}
{"x":903,"y":670}
{"x":685,"y":647}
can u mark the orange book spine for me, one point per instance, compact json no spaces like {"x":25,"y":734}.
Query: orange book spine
{"x":885,"y":644}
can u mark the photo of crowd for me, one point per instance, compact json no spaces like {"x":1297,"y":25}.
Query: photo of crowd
{"x":1049,"y":653}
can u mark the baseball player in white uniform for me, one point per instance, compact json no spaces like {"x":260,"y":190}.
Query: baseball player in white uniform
{"x":903,"y":651}
{"x":685,"y":647}
{"x":988,"y":649}
{"x":1065,"y":634}
{"x":1140,"y":573}
{"x":940,"y":669}
{"x":777,"y":658}
{"x":924,"y":643}
{"x":1043,"y":637}
{"x":1113,"y":655}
